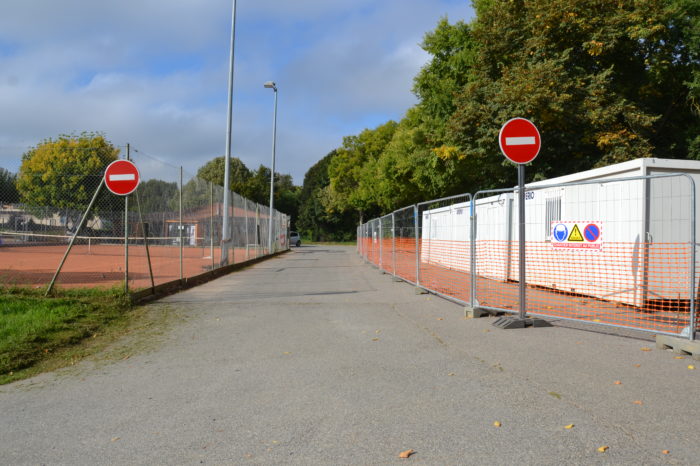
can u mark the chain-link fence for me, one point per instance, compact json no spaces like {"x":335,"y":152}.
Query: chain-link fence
{"x":615,"y":252}
{"x":169,"y":229}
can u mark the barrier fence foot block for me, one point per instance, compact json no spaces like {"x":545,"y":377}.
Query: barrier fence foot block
{"x":396,"y":279}
{"x":420,"y":290}
{"x":509,"y":322}
{"x":679,"y":345}
{"x":475,"y":312}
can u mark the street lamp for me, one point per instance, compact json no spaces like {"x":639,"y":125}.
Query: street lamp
{"x":225,"y":235}
{"x":271,"y":85}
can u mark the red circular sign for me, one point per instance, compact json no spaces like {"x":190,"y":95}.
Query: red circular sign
{"x":122,"y":177}
{"x":519,"y":140}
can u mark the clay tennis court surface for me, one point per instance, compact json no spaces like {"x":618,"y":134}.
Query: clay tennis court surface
{"x":103,"y":265}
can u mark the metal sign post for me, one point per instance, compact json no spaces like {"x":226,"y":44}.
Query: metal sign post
{"x":520,"y":142}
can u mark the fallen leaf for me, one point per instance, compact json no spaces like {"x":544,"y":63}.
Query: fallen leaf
{"x":126,"y":357}
{"x":646,"y":349}
{"x":638,"y":402}
{"x":497,"y":424}
{"x":665,"y":452}
{"x":691,"y":367}
{"x":570,"y":426}
{"x":451,"y":374}
{"x":617,"y":382}
{"x":406,"y":454}
{"x":377,"y":332}
{"x":115,"y":439}
{"x":637,"y":365}
{"x":375,"y":339}
{"x":596,"y":320}
{"x":286,"y":352}
{"x":487,"y":331}
{"x":603,"y":449}
{"x":440,"y":318}
{"x":679,"y":357}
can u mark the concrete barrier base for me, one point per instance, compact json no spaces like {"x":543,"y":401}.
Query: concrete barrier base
{"x":679,"y":345}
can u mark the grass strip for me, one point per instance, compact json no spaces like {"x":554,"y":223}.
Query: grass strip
{"x":34,"y":327}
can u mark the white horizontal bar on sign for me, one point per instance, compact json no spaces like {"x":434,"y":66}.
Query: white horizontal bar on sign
{"x":125,"y":177}
{"x":521,"y":141}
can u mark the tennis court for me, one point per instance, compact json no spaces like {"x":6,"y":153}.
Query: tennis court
{"x":100,"y":262}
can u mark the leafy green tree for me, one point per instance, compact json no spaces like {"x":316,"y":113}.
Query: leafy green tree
{"x":604,"y":81}
{"x":352,"y":170}
{"x":239,"y":174}
{"x":8,"y":188}
{"x":61,"y":175}
{"x":157,"y":196}
{"x":314,"y":221}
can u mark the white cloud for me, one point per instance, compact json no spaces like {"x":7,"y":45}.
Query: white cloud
{"x":153,"y":73}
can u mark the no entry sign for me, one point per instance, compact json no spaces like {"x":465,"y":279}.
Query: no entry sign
{"x":519,"y":140}
{"x":122,"y":177}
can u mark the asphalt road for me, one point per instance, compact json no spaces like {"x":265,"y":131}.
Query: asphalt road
{"x":314,"y":357}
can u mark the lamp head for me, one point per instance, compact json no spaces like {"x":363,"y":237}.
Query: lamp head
{"x":270,"y":85}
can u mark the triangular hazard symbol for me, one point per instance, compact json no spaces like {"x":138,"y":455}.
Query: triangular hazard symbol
{"x":575,"y":234}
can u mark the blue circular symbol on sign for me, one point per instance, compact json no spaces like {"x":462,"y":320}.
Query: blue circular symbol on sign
{"x":560,"y":232}
{"x":591,"y":232}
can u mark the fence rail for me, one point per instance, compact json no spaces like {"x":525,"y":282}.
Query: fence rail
{"x":617,"y":252}
{"x":169,"y":229}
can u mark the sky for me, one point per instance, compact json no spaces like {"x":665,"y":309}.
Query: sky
{"x":153,"y":73}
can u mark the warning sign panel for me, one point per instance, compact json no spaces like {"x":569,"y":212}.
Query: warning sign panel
{"x":586,"y":236}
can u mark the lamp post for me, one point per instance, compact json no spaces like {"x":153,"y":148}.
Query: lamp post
{"x":225,"y":236}
{"x":273,"y":86}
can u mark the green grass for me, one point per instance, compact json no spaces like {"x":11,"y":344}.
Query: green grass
{"x":34,"y":328}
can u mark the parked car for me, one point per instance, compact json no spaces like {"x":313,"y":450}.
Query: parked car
{"x":294,"y":238}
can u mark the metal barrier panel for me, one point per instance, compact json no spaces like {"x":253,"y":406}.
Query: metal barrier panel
{"x":405,"y":244}
{"x":444,"y":247}
{"x":374,"y":247}
{"x":387,"y":244}
{"x":613,"y":252}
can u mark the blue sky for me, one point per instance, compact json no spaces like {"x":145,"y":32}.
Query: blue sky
{"x":153,"y":73}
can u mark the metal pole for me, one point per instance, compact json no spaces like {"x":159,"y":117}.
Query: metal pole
{"x":521,"y":238}
{"x":693,"y":244}
{"x":381,"y":240}
{"x":415,"y":236}
{"x":247,"y":230}
{"x":126,"y":233}
{"x":393,"y":242}
{"x":180,"y":226}
{"x":227,"y":158}
{"x":75,"y":235}
{"x":472,"y":251}
{"x":272,"y":173}
{"x":144,"y":227}
{"x":211,"y":223}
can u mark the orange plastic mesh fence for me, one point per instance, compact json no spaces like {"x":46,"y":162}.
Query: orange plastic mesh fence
{"x":612,"y":286}
{"x":444,"y":268}
{"x":644,"y":283}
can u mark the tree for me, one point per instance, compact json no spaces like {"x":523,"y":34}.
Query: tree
{"x":157,"y":196}
{"x":351,"y":171}
{"x":61,"y":175}
{"x":239,"y":174}
{"x":314,"y":220}
{"x":8,"y":188}
{"x":604,"y":81}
